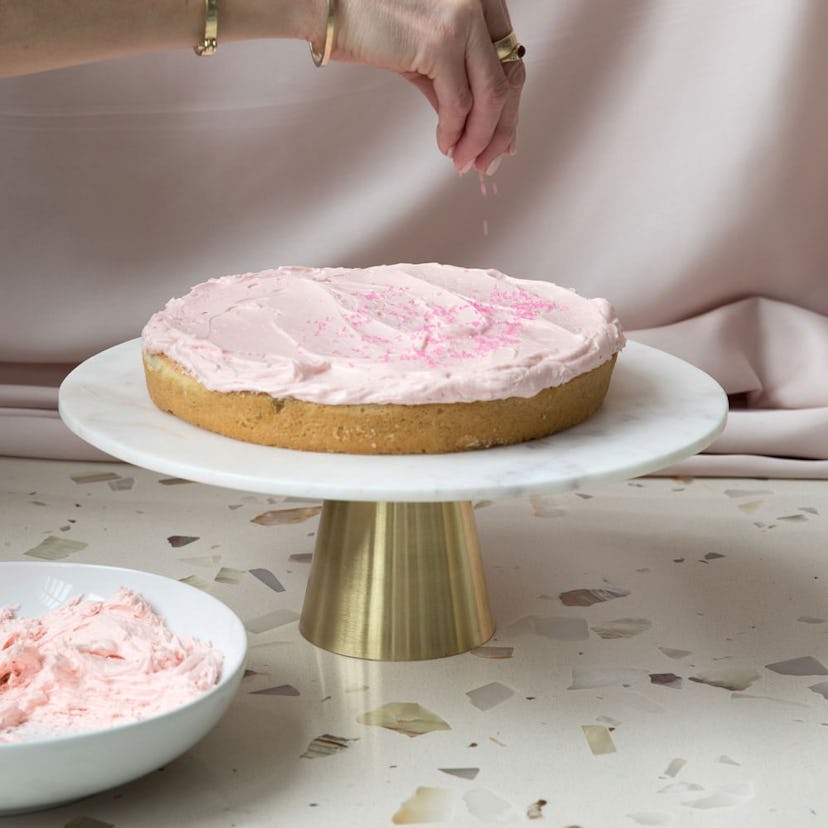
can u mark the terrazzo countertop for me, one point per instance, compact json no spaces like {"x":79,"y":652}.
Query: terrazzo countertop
{"x":661,"y":659}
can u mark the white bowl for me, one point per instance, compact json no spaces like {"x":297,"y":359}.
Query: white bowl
{"x":45,"y":772}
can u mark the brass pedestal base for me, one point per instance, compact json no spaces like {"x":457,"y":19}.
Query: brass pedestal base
{"x":396,"y":581}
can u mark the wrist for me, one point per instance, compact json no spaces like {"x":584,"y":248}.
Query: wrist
{"x":266,"y":19}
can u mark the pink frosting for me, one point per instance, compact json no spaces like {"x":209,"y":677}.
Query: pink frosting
{"x":407,"y":333}
{"x":94,"y":664}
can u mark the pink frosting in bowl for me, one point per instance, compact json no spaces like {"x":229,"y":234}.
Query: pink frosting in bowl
{"x":84,"y":669}
{"x":405,"y":334}
{"x":92,"y":664}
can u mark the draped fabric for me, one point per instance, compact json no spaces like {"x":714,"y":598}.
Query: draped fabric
{"x":671,"y":159}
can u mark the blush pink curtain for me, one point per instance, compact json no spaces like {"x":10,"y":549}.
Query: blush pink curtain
{"x":671,"y":158}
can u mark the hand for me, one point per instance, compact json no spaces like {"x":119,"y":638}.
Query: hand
{"x":444,"y":47}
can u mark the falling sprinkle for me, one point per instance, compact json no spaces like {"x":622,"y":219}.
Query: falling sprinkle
{"x":672,"y":652}
{"x":94,"y":477}
{"x":462,"y":773}
{"x":227,"y":575}
{"x":535,"y":810}
{"x":712,"y":556}
{"x":174,"y":481}
{"x":408,"y":718}
{"x":675,"y":767}
{"x":281,"y":690}
{"x":496,"y":741}
{"x":667,"y":680}
{"x":194,"y":581}
{"x":487,"y":806}
{"x":326,"y":745}
{"x":482,"y":504}
{"x":177,"y":541}
{"x":802,"y":666}
{"x":725,"y":797}
{"x":490,"y":695}
{"x":809,"y":509}
{"x":493,"y":652}
{"x":54,"y":549}
{"x":793,"y":518}
{"x":271,"y":620}
{"x":277,"y":517}
{"x":426,"y":805}
{"x":122,"y":484}
{"x":301,"y":557}
{"x":483,"y":190}
{"x":588,"y":597}
{"x":811,"y":619}
{"x":586,"y":678}
{"x":268,"y":579}
{"x":485,"y":227}
{"x":88,"y":822}
{"x":728,"y":678}
{"x":650,"y":818}
{"x":622,"y":628}
{"x":599,"y":739}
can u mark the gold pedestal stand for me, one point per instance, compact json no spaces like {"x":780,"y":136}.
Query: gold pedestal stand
{"x":396,"y":581}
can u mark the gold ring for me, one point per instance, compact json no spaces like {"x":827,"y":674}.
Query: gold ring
{"x":509,"y":49}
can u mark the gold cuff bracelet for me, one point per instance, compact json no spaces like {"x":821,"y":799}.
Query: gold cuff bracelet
{"x":208,"y":45}
{"x":321,"y":58}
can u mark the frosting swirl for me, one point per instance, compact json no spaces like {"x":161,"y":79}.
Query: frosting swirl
{"x":405,"y":334}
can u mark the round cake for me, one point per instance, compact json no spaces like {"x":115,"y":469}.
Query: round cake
{"x":402,"y":359}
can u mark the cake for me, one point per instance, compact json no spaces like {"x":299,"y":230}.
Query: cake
{"x":402,"y":359}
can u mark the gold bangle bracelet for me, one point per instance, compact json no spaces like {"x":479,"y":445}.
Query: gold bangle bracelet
{"x":321,"y":59}
{"x":208,"y":45}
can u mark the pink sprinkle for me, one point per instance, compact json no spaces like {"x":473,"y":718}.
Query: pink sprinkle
{"x":494,"y":187}
{"x":485,"y":227}
{"x":483,"y":190}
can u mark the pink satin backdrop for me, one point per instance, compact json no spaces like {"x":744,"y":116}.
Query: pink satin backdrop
{"x":671,"y":158}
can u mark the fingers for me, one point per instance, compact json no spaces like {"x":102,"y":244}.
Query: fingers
{"x":504,"y":138}
{"x":490,"y":128}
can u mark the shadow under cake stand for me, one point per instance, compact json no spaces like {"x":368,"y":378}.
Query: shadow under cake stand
{"x":396,"y":571}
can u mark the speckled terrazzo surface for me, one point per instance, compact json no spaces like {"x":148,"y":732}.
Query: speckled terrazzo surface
{"x":661,"y":659}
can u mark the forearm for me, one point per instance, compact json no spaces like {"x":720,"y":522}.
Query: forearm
{"x":36,"y":35}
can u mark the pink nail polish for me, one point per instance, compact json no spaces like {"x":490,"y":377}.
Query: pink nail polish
{"x":468,"y":165}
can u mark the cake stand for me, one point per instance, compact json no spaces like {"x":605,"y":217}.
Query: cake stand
{"x":396,"y":572}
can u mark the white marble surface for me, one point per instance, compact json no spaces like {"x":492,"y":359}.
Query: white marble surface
{"x":659,"y":410}
{"x":704,"y":582}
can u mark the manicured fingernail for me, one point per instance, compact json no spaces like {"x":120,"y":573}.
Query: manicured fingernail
{"x":466,"y":167}
{"x":494,"y":166}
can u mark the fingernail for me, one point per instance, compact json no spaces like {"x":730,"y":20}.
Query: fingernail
{"x":466,"y":167}
{"x":450,"y":152}
{"x":494,"y":166}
